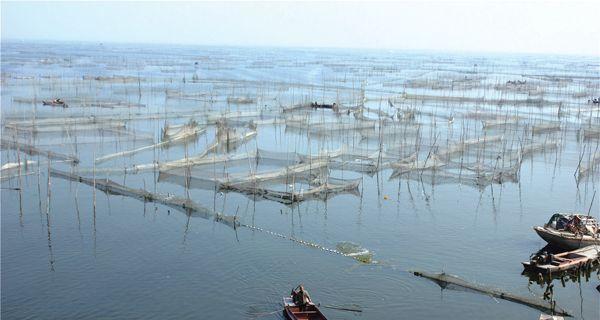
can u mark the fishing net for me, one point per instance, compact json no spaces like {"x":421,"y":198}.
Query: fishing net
{"x":287,"y":185}
{"x":355,"y":251}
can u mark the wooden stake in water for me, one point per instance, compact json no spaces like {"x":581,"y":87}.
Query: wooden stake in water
{"x":591,"y":203}
{"x":51,"y":257}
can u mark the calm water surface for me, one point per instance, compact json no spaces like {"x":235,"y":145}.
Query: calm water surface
{"x":129,"y":259}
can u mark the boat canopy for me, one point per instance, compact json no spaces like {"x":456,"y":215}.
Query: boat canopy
{"x":574,"y":222}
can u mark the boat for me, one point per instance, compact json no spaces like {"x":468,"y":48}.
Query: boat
{"x":316,"y":105}
{"x":55,"y":103}
{"x":566,"y":240}
{"x":570,"y":231}
{"x":292,"y":311}
{"x":552,"y":263}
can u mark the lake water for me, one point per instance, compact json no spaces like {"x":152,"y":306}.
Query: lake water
{"x":79,"y":253}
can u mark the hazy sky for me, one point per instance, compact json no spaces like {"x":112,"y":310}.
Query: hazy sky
{"x":540,"y":26}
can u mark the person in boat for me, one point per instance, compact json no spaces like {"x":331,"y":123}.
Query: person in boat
{"x":58,"y":101}
{"x":301,"y":297}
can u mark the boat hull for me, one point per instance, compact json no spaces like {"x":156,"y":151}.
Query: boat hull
{"x":292,"y":312}
{"x":566,"y":260}
{"x":565,"y":240}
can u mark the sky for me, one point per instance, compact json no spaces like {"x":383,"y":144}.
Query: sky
{"x":555,"y":27}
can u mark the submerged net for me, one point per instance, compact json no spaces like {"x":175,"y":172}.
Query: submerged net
{"x":355,"y":251}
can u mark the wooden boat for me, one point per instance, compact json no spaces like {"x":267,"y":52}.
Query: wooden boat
{"x":291,"y":311}
{"x":549,"y":263}
{"x":55,"y":103}
{"x":315,"y":105}
{"x":565,"y":239}
{"x":570,"y":231}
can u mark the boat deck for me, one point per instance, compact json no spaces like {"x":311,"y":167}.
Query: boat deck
{"x":293,"y":312}
{"x":567,"y":260}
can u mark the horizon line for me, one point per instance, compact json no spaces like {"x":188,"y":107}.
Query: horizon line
{"x":452,"y":51}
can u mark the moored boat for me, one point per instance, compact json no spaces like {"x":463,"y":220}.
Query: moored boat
{"x":570,"y":231}
{"x":55,"y":103}
{"x":552,"y":263}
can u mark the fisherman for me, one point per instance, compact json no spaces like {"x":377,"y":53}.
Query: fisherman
{"x":300,"y":297}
